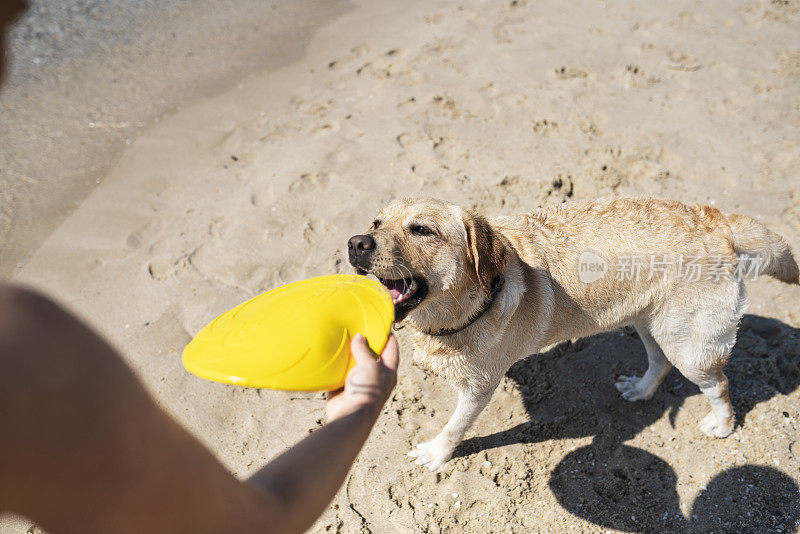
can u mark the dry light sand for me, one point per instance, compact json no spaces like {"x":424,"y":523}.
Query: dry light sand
{"x":501,"y":106}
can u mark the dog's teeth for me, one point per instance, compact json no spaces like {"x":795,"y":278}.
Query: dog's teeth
{"x":408,"y":290}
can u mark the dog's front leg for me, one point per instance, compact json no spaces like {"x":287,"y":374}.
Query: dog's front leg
{"x":435,"y":453}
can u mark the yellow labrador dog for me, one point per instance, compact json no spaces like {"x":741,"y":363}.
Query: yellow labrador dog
{"x":480,"y":294}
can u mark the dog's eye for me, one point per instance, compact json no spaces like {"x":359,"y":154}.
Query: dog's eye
{"x":418,"y":229}
{"x":376,"y":224}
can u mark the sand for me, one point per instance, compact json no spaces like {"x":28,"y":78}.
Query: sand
{"x":504,"y":107}
{"x":88,"y":76}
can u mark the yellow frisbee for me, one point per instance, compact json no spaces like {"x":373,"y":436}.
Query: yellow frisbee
{"x":295,"y":337}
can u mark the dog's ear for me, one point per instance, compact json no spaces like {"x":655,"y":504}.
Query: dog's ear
{"x":485,"y":249}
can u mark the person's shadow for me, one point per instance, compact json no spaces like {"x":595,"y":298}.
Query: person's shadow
{"x":568,"y":392}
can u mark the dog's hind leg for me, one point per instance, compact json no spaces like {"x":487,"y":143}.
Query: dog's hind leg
{"x":714,"y":385}
{"x":634,"y":388}
{"x":701,"y":359}
{"x":435,"y":453}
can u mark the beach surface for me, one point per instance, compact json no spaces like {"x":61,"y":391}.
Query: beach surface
{"x":88,"y":76}
{"x":502,"y":107}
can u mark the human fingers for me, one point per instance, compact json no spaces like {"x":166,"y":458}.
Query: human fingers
{"x":361,"y":351}
{"x":391,"y":354}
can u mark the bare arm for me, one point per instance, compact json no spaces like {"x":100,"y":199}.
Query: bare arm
{"x":306,"y":477}
{"x":85,"y":449}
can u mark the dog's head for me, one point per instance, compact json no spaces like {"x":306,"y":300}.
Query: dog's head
{"x":431,"y":255}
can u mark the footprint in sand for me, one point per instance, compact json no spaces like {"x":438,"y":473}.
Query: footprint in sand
{"x":446,"y":106}
{"x":756,"y":13}
{"x":634,"y":76}
{"x":682,"y":61}
{"x":220,"y":263}
{"x":448,"y":150}
{"x":569,"y":73}
{"x":336,"y":263}
{"x":589,"y":127}
{"x":326,"y":127}
{"x":318,"y":109}
{"x":314,"y":230}
{"x":545,"y":127}
{"x":392,"y":64}
{"x":161,"y":269}
{"x":282,"y":130}
{"x":147,"y":233}
{"x":164,"y":268}
{"x":355,"y":52}
{"x":263,"y":194}
{"x":516,"y":191}
{"x":404,"y":139}
{"x":650,"y":168}
{"x":311,"y":181}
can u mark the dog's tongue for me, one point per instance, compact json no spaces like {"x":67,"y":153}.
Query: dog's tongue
{"x":396,"y":287}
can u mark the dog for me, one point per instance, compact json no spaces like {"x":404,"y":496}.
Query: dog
{"x":480,"y":294}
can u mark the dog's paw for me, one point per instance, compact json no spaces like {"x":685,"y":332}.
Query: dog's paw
{"x":712,"y":428}
{"x":630,"y":388}
{"x":432,"y":454}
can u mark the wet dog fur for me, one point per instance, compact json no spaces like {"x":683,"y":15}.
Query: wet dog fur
{"x":444,"y":264}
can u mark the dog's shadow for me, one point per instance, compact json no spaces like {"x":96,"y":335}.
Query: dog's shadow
{"x":568,"y":392}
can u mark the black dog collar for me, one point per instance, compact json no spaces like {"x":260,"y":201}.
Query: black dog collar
{"x":497,"y":286}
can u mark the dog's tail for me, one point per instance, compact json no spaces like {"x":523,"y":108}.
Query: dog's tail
{"x":769,"y":251}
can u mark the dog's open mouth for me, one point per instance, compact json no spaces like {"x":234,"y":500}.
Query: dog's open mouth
{"x":407,"y":294}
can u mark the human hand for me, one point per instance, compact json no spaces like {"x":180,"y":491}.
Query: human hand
{"x":368,"y":383}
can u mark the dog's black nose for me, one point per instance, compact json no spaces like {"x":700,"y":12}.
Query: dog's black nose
{"x":359,"y":244}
